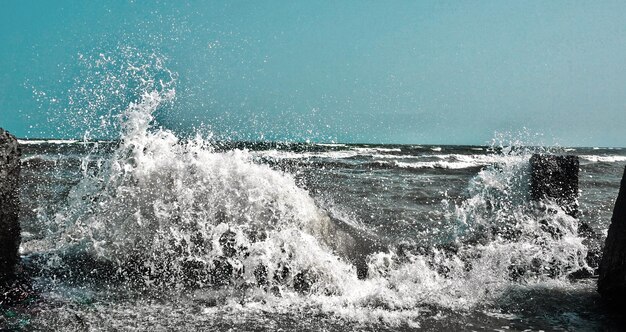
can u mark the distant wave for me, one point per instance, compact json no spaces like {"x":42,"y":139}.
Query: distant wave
{"x":603,"y":159}
{"x":437,"y":164}
{"x":448,"y":161}
{"x":331,"y":144}
{"x":48,"y":141}
{"x":57,"y":141}
{"x":277,"y":154}
{"x":382,"y":157}
{"x":428,"y":164}
{"x":373,"y":150}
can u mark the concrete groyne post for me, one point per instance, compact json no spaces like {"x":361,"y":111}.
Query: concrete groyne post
{"x":612,"y":279}
{"x":10,"y":154}
{"x":556,"y":178}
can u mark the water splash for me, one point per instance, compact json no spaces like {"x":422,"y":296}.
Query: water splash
{"x":165,"y":213}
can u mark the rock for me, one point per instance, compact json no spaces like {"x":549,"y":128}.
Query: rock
{"x":10,"y":154}
{"x":282,"y":273}
{"x":303,"y":281}
{"x":228,"y":242}
{"x":612,"y":280}
{"x":556,"y":178}
{"x":260,"y":274}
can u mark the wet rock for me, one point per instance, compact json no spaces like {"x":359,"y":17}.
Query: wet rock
{"x":228,"y":242}
{"x":282,"y":273}
{"x":555,"y":178}
{"x":553,"y":230}
{"x":612,"y":280}
{"x":224,"y":271}
{"x":260,"y":274}
{"x":303,"y":281}
{"x":9,"y":205}
{"x":593,"y":241}
{"x":195,"y":273}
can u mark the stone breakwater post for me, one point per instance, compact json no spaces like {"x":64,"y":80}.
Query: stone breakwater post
{"x":556,"y":178}
{"x":10,"y":154}
{"x":612,"y":280}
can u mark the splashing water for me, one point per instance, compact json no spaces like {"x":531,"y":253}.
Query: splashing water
{"x":165,"y":213}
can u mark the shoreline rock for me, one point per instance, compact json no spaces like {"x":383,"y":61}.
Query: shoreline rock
{"x":612,"y":280}
{"x":10,"y":154}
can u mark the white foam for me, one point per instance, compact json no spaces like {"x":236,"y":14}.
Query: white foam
{"x":48,"y":141}
{"x":603,"y":159}
{"x":452,"y":161}
{"x":437,"y":164}
{"x":375,"y":150}
{"x":332,"y":145}
{"x":277,"y":154}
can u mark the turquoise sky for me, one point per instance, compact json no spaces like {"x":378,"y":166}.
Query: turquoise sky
{"x":441,"y":72}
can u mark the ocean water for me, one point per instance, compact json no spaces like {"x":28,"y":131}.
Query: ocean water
{"x":154,"y":230}
{"x":157,"y":233}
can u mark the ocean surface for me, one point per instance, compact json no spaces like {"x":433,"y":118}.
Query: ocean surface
{"x":153,"y":232}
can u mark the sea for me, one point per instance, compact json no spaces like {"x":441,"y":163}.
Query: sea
{"x":153,"y":232}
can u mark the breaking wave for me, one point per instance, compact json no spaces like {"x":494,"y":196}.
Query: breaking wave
{"x":164,"y":213}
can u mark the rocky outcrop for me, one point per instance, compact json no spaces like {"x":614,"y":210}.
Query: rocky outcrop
{"x":555,"y":178}
{"x":612,"y":280}
{"x":9,"y":205}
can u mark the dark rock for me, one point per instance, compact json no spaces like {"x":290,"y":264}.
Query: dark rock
{"x":612,"y":280}
{"x":555,"y":178}
{"x":554,"y":231}
{"x":221,"y":273}
{"x":195,"y":273}
{"x":282,"y":273}
{"x":260,"y":274}
{"x":593,"y":241}
{"x":224,"y":272}
{"x":228,"y":243}
{"x":303,"y":281}
{"x":10,"y":154}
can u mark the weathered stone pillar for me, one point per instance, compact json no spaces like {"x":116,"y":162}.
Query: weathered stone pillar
{"x":612,"y":280}
{"x":9,"y":205}
{"x":556,"y":178}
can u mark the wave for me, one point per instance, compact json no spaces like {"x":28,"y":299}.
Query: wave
{"x":437,"y":164}
{"x":61,"y":142}
{"x":449,"y":161}
{"x":332,"y":145}
{"x":49,"y":141}
{"x":278,"y":155}
{"x":160,"y":214}
{"x":375,"y":150}
{"x":603,"y":159}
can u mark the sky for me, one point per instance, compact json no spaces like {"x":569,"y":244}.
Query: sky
{"x":408,"y":72}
